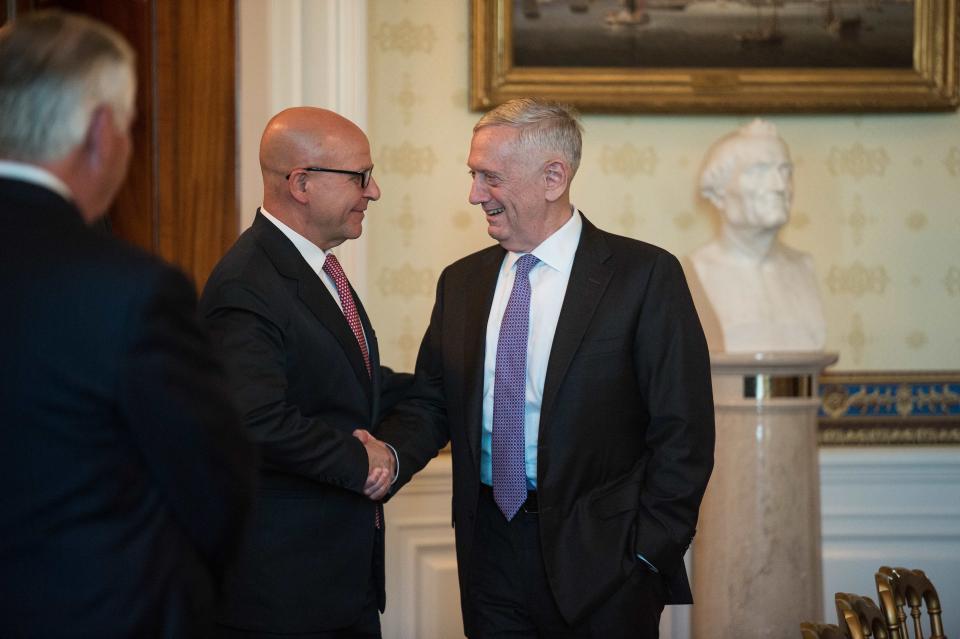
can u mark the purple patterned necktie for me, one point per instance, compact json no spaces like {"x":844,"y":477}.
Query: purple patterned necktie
{"x":509,"y":395}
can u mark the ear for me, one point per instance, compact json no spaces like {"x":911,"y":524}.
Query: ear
{"x":86,"y":168}
{"x":556,"y":177}
{"x":297,"y":187}
{"x":715,"y":196}
{"x":97,"y":140}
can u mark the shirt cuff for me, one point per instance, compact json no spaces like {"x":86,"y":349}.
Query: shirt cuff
{"x":396,"y":458}
{"x":644,"y":560}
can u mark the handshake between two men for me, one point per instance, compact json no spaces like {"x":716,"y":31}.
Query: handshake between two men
{"x":382,"y":465}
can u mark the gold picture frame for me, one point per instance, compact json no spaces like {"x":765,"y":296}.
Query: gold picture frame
{"x":888,"y":407}
{"x":930,"y":85}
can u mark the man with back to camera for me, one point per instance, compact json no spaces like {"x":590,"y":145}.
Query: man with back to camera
{"x":305,"y":367}
{"x":568,"y":369}
{"x":126,"y":475}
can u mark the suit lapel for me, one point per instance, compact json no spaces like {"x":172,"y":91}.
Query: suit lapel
{"x":477,"y":310}
{"x":318,"y":299}
{"x":313,"y":294}
{"x":589,"y":276}
{"x":373,"y":350}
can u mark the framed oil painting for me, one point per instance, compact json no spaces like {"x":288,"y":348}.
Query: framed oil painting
{"x":716,"y":56}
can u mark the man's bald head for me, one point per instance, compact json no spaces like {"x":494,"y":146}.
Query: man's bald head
{"x":327,"y":207}
{"x":303,"y":136}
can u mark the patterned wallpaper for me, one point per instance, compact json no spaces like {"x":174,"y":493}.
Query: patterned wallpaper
{"x":877,"y":197}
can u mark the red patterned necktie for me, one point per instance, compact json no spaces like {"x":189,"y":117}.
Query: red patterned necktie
{"x":332,"y":268}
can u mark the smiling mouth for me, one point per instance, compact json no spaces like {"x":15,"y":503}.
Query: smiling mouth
{"x":496,"y":211}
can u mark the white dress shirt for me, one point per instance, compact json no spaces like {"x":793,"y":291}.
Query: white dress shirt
{"x":35,"y":175}
{"x":315,"y":257}
{"x":313,"y":254}
{"x":548,"y":285}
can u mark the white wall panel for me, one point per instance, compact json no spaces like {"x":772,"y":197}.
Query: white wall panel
{"x":423,"y":596}
{"x":891,"y":506}
{"x":295,"y":53}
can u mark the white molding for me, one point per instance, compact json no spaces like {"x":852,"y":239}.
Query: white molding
{"x":295,"y":52}
{"x":869,"y":465}
{"x":334,"y":76}
{"x":894,"y":506}
{"x":435,"y":479}
{"x":286,"y":52}
{"x":424,"y":549}
{"x":429,"y":486}
{"x":421,"y":552}
{"x":254,"y":105}
{"x":404,"y":523}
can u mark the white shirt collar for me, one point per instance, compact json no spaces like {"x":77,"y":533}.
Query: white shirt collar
{"x":35,"y":175}
{"x":558,"y":250}
{"x":313,"y":254}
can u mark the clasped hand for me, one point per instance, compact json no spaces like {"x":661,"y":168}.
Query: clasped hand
{"x":382,"y":465}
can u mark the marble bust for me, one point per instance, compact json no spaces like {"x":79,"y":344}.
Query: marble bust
{"x":753,"y":292}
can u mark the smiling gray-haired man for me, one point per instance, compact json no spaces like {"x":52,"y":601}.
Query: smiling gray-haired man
{"x":568,"y":369}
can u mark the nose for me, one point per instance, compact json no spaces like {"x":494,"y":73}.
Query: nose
{"x":478,"y":192}
{"x":372,"y":192}
{"x":776,"y":179}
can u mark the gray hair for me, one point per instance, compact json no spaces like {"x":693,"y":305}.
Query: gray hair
{"x":729,"y":152}
{"x":56,"y":68}
{"x":543,"y":125}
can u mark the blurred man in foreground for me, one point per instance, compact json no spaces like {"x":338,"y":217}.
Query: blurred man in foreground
{"x":126,"y":477}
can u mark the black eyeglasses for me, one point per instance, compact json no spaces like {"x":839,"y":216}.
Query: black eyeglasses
{"x":363,"y":175}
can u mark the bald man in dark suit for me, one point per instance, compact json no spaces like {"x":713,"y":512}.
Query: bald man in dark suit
{"x":306,"y":372}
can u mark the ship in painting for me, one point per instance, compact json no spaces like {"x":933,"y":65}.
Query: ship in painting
{"x":766,"y":30}
{"x":839,"y":24}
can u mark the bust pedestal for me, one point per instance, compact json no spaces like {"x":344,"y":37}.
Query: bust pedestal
{"x":756,"y":562}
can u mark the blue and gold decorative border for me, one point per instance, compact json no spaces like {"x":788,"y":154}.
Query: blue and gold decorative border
{"x":879,"y":408}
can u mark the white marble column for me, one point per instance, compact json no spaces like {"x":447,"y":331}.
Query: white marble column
{"x":757,"y":566}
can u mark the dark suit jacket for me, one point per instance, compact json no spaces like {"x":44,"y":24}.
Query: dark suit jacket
{"x":299,"y":377}
{"x":626,"y":425}
{"x":126,"y":478}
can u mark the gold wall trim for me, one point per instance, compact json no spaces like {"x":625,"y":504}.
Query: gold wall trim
{"x":880,"y":408}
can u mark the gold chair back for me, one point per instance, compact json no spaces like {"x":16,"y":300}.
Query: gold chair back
{"x":810,"y":630}
{"x":860,"y":618}
{"x":909,"y":588}
{"x":891,"y":605}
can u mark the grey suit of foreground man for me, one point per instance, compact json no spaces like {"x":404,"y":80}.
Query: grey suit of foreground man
{"x":626,"y":432}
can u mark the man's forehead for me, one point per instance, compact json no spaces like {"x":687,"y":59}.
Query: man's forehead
{"x":494,"y":137}
{"x":354,"y":151}
{"x":492,"y":145}
{"x":763,"y":151}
